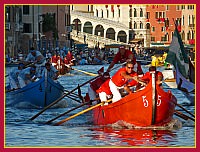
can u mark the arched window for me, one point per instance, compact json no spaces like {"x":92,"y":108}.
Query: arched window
{"x":193,"y":35}
{"x":130,"y":12}
{"x":183,"y":36}
{"x":141,"y":25}
{"x":107,"y":13}
{"x":141,"y":12}
{"x":102,"y":13}
{"x":189,"y":20}
{"x":135,"y":12}
{"x":135,"y":25}
{"x":96,"y":12}
{"x":167,"y":37}
{"x":188,"y":35}
{"x":193,"y":18}
{"x":130,"y":25}
{"x":148,"y":26}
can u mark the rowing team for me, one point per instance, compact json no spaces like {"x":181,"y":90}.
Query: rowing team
{"x":125,"y":79}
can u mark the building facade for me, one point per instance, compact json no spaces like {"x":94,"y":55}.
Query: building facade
{"x":144,"y":25}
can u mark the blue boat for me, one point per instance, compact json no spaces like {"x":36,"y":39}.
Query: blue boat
{"x":40,"y":93}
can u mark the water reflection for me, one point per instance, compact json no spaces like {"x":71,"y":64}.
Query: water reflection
{"x":133,"y":137}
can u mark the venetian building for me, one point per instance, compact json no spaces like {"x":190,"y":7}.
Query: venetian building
{"x":188,"y":23}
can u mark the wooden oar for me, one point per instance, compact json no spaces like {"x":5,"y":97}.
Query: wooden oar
{"x":183,"y":116}
{"x":53,"y":103}
{"x":79,"y":113}
{"x":71,"y":93}
{"x":48,"y":122}
{"x":88,"y":73}
{"x":184,"y":109}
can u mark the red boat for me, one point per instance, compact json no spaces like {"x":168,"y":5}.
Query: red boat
{"x":151,"y":106}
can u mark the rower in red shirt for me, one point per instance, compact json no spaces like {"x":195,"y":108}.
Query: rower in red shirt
{"x":147,"y":76}
{"x":121,"y":78}
{"x":54,"y":60}
{"x":104,"y":91}
{"x":96,"y":83}
{"x":124,"y":55}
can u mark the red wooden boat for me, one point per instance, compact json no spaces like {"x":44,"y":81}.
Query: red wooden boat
{"x":151,"y":106}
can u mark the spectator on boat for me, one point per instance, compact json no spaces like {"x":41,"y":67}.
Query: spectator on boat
{"x":124,"y":55}
{"x":158,"y":75}
{"x":52,"y":72}
{"x":27,"y":76}
{"x":96,"y":83}
{"x":37,"y":58}
{"x":13,"y":76}
{"x":121,"y":78}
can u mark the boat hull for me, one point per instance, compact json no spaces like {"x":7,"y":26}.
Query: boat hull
{"x":40,"y":93}
{"x":137,"y":109}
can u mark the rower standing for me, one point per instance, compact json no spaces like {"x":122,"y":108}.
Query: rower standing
{"x":124,"y":55}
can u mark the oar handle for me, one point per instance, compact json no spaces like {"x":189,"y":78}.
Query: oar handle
{"x":79,"y":113}
{"x":88,"y":73}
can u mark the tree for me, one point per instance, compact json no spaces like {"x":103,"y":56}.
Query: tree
{"x":49,"y":24}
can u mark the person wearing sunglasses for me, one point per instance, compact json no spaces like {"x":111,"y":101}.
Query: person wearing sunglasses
{"x":121,"y":78}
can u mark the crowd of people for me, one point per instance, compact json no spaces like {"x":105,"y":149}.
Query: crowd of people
{"x":124,"y":80}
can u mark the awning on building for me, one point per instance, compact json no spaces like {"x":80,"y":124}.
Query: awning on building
{"x":135,"y":40}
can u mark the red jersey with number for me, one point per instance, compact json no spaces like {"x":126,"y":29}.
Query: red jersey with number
{"x":119,"y":80}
